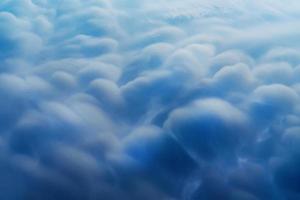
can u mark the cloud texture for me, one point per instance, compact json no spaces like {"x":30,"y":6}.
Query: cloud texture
{"x":119,"y":99}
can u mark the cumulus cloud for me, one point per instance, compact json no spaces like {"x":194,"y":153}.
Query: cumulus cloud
{"x":139,"y":100}
{"x":207,"y":127}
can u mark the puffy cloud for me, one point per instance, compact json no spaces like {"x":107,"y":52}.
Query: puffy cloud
{"x":136,"y":100}
{"x":82,"y":45}
{"x":16,"y":39}
{"x":236,"y":78}
{"x":274,"y":99}
{"x":287,"y":176}
{"x":274,"y":73}
{"x":208,"y":128}
{"x":283,"y":54}
{"x":229,"y":57}
{"x":108,"y":93}
{"x":63,"y":80}
{"x":164,"y":34}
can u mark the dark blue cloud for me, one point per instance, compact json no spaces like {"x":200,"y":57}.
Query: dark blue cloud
{"x":137,"y":100}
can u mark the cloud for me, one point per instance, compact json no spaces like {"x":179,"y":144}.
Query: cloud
{"x":274,"y":73}
{"x":208,"y":128}
{"x":136,"y":100}
{"x":280,"y":98}
{"x":234,"y":78}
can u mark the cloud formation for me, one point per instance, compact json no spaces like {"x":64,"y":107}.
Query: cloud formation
{"x":138,"y":100}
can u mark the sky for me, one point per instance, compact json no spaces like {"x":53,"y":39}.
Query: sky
{"x":151,"y":100}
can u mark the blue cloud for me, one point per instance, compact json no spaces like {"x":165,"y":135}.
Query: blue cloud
{"x":134,"y":100}
{"x":208,"y":128}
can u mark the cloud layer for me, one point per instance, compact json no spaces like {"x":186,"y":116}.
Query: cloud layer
{"x":138,"y":100}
